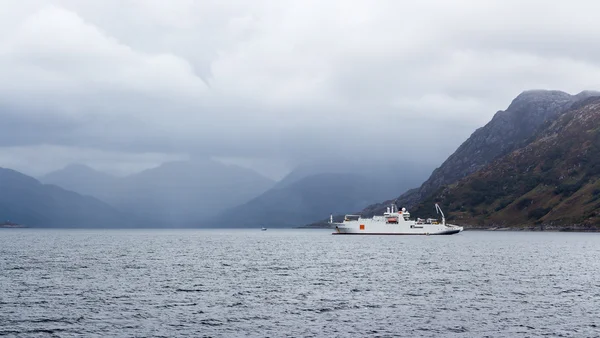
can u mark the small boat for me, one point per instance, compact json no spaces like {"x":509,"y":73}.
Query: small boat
{"x":394,"y":222}
{"x":9,"y":224}
{"x":263,"y":229}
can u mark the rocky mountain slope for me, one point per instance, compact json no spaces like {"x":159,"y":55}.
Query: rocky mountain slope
{"x":507,"y":131}
{"x":552,"y":182}
{"x":24,"y":200}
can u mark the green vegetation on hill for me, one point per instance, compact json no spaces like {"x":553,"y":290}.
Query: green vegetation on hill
{"x":552,"y":182}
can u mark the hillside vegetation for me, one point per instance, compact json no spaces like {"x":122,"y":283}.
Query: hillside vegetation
{"x":553,"y":182}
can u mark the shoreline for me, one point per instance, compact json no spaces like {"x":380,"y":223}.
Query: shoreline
{"x":499,"y":229}
{"x":468,"y":229}
{"x":532,"y":230}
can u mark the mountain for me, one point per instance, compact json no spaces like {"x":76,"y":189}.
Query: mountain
{"x":185,"y":193}
{"x":173,"y":194}
{"x":552,"y":182}
{"x":507,"y":131}
{"x":305,"y":200}
{"x":390,"y":176}
{"x":26,"y":201}
{"x":314,"y":190}
{"x":84,"y":180}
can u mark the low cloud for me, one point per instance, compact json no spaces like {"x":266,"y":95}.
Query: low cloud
{"x":278,"y":81}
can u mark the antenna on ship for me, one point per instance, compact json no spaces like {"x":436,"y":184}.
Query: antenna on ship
{"x":437,"y":208}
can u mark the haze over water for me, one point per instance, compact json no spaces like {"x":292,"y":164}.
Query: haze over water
{"x":227,"y":283}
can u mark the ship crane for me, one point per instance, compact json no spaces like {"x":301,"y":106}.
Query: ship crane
{"x":438,"y":210}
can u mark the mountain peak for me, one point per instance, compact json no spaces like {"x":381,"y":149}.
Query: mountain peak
{"x":543,"y":97}
{"x":540,"y":95}
{"x":78,"y":167}
{"x":587,"y":93}
{"x":539,"y":92}
{"x":74,"y":170}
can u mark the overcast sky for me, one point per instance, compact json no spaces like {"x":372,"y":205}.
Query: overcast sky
{"x":126,"y":84}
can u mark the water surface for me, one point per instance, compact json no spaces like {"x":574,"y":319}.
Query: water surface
{"x":275,"y":283}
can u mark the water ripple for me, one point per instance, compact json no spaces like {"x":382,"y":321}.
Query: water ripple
{"x":296,"y":283}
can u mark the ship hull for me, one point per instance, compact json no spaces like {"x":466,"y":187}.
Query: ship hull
{"x":376,"y":228}
{"x":449,"y":232}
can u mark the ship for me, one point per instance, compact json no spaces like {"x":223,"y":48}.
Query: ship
{"x":9,"y":224}
{"x":394,"y":222}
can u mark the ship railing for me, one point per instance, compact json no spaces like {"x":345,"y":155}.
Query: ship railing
{"x":352,"y":217}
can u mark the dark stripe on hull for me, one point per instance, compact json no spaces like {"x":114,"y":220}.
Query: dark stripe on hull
{"x":451,"y":232}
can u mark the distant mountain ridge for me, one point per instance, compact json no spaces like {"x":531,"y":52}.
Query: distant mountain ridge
{"x":200,"y":193}
{"x":302,"y":201}
{"x":314,"y":190}
{"x":174,"y":194}
{"x":26,"y":201}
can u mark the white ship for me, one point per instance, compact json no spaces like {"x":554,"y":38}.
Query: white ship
{"x":394,"y":222}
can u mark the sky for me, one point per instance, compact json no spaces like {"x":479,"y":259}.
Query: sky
{"x":123,"y":85}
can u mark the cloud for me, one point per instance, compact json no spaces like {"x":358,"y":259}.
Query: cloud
{"x":73,"y":58}
{"x":48,"y":158}
{"x":280,"y":81}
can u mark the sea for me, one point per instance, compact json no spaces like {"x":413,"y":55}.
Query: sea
{"x":297,"y":283}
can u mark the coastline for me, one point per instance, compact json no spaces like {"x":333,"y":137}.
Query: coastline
{"x":574,"y":228}
{"x":531,"y":229}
